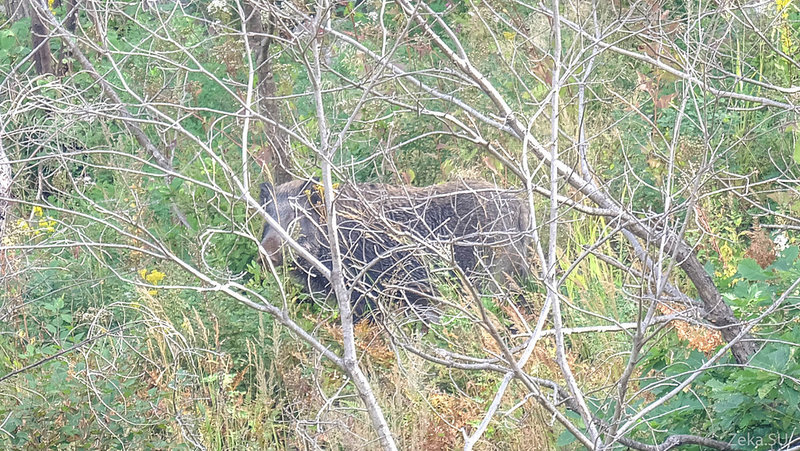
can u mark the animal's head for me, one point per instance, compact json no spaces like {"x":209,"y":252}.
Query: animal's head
{"x":288,"y":204}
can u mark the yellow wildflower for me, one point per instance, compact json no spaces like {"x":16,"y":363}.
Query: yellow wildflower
{"x":37,"y":210}
{"x":155,"y":277}
{"x":782,"y":6}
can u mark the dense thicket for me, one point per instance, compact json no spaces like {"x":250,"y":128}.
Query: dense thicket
{"x":655,"y":144}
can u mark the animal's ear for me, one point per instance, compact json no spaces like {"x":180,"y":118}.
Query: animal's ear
{"x":310,"y":183}
{"x":265,"y":193}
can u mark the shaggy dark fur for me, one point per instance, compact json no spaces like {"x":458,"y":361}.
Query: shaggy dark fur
{"x":393,"y":238}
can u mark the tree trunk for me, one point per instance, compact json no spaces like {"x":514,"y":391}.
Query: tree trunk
{"x":260,"y":42}
{"x":718,"y":312}
{"x":64,"y":56}
{"x":14,"y":9}
{"x":42,"y":57}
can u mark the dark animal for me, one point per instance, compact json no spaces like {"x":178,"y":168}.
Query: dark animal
{"x":393,"y":239}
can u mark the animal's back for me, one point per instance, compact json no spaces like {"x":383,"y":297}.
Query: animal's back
{"x":476,"y":218}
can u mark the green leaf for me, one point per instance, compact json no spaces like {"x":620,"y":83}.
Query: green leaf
{"x":749,"y":269}
{"x":764,"y":390}
{"x":565,"y":439}
{"x":729,"y":402}
{"x":709,"y":267}
{"x":741,"y":290}
{"x":788,"y":256}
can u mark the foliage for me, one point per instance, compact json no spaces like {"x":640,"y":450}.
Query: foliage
{"x":116,"y":329}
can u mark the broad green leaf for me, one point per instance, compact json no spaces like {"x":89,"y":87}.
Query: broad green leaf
{"x":749,"y":269}
{"x":565,"y":439}
{"x":788,"y":256}
{"x":765,"y":389}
